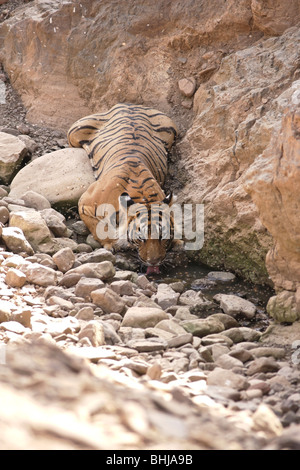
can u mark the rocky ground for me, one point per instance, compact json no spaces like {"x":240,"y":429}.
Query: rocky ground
{"x":95,"y":355}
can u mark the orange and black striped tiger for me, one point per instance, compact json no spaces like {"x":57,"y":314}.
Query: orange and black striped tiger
{"x":128,"y":148}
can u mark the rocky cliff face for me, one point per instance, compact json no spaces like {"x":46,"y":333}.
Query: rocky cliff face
{"x":237,"y":111}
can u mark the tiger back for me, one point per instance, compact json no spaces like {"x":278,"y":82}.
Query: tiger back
{"x":128,"y":148}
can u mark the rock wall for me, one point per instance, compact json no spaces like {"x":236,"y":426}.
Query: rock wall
{"x":236,"y":113}
{"x":70,"y":58}
{"x":224,"y":71}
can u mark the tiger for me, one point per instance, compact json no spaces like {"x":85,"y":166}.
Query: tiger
{"x":128,"y":147}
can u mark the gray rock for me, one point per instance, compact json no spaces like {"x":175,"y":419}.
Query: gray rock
{"x":108,"y":300}
{"x":180,"y":340}
{"x":86,"y":286}
{"x":171,"y":326}
{"x":35,"y":230}
{"x":13,"y":327}
{"x":216,"y":339}
{"x":97,"y":256}
{"x":144,"y":345}
{"x":183,"y":313}
{"x":5,"y":310}
{"x":85,"y":313}
{"x":237,"y":335}
{"x":165,"y":296}
{"x":60,"y":302}
{"x":218,"y":350}
{"x":234,"y":305}
{"x":80,"y":228}
{"x":15,"y":240}
{"x":283,"y":307}
{"x":94,"y":331}
{"x":12,"y":152}
{"x":277,"y":353}
{"x":228,"y":362}
{"x":122,"y":287}
{"x":227,"y":320}
{"x":203,"y":327}
{"x":191,"y":298}
{"x":227,"y":378}
{"x":15,"y":278}
{"x":56,"y":177}
{"x":4,"y":215}
{"x":64,"y":259}
{"x":263,"y":364}
{"x":40,"y":275}
{"x":141,"y":317}
{"x":104,"y":270}
{"x":144,"y":283}
{"x":35,"y":200}
{"x":55,"y":221}
{"x":221,"y":276}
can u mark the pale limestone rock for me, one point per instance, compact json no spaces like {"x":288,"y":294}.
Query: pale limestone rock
{"x":35,"y":230}
{"x":35,"y":200}
{"x":15,"y":240}
{"x":235,"y":305}
{"x":104,"y":270}
{"x":56,"y":177}
{"x":12,"y":152}
{"x":64,"y":259}
{"x":143,"y":317}
{"x":108,"y":300}
{"x":15,"y":278}
{"x":40,"y":275}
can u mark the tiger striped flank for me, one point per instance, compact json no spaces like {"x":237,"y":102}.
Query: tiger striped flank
{"x":128,"y":148}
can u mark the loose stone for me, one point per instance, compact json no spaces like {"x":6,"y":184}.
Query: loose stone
{"x":263,"y":364}
{"x":221,"y":276}
{"x":15,"y":278}
{"x":64,"y":259}
{"x":240,"y":334}
{"x":228,"y":362}
{"x":141,"y":317}
{"x":203,"y":327}
{"x":4,"y":215}
{"x":40,"y":275}
{"x":104,"y":270}
{"x":165,"y":296}
{"x":234,"y":305}
{"x":108,"y":300}
{"x":122,"y":287}
{"x":86,"y":286}
{"x":15,"y":240}
{"x":143,"y":345}
{"x":5,"y":310}
{"x":227,"y":378}
{"x":187,"y":86}
{"x":94,"y":332}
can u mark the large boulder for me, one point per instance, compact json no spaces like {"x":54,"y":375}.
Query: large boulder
{"x":273,"y":182}
{"x":237,"y":112}
{"x":61,"y":177}
{"x":275,"y":16}
{"x":35,"y":230}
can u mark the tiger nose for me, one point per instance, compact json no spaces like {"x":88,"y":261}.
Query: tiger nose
{"x":153,"y":260}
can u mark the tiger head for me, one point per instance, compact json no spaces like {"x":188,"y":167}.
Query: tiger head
{"x":150,"y":229}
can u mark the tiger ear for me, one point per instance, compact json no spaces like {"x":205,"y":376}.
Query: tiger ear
{"x":125,"y":200}
{"x":168,"y":199}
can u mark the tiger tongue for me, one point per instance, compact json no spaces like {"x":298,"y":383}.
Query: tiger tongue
{"x":152,"y":270}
